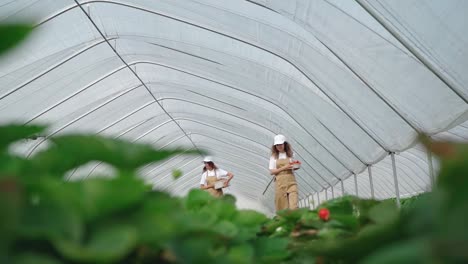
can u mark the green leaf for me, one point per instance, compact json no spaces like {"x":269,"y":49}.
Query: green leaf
{"x":12,"y":35}
{"x":35,"y":258}
{"x":341,"y":205}
{"x":240,"y":254}
{"x":72,"y":151}
{"x":226,"y":229}
{"x":49,"y":214}
{"x":106,"y":244}
{"x":176,"y":174}
{"x":160,"y":219}
{"x":383,"y":213}
{"x":12,"y":133}
{"x":99,"y":197}
{"x":250,"y":218}
{"x":197,"y":199}
{"x":271,"y":250}
{"x":411,"y":252}
{"x":200,"y":248}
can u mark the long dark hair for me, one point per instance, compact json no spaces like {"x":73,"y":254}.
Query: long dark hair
{"x":287,"y":149}
{"x":212,"y":165}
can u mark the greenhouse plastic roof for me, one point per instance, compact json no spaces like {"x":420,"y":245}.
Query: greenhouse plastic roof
{"x":347,"y":82}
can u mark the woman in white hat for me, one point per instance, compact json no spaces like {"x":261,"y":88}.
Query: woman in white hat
{"x":211,"y":175}
{"x":282,"y":169}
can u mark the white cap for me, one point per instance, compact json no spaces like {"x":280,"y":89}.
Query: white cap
{"x":279,"y":139}
{"x":208,"y":159}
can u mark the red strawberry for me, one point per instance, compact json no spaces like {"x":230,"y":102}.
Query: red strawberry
{"x":324,"y":214}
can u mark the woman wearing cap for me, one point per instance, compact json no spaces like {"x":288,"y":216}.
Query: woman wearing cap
{"x":211,"y":174}
{"x":282,"y":169}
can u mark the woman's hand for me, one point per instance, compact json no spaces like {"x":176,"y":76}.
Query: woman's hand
{"x":287,"y":167}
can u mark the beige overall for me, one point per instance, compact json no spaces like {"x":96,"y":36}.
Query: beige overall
{"x":212,"y":180}
{"x":286,"y":187}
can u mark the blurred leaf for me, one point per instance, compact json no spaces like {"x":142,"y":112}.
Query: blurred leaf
{"x":35,"y":258}
{"x":12,"y":133}
{"x":342,"y":205}
{"x":159,"y":219}
{"x":176,"y":173}
{"x":106,"y":244}
{"x":48,"y":214}
{"x":332,"y":233}
{"x":292,"y":216}
{"x":226,"y":229}
{"x":240,"y":254}
{"x":195,"y":249}
{"x":99,"y":197}
{"x":12,"y":35}
{"x":411,"y":252}
{"x":72,"y":151}
{"x":271,"y":250}
{"x":249,"y":223}
{"x":383,"y":213}
{"x":197,"y":198}
{"x":229,"y":198}
{"x":250,"y":218}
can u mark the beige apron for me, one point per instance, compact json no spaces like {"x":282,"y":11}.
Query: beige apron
{"x":212,"y":180}
{"x":286,"y":187}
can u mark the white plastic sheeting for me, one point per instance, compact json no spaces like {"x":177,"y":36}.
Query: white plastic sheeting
{"x":348,"y":82}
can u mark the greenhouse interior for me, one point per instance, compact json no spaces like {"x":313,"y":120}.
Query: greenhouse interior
{"x":114,"y":113}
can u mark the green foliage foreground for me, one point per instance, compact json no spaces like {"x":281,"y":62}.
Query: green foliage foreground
{"x":45,"y":219}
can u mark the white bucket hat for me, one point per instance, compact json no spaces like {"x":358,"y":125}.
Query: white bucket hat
{"x":208,"y":159}
{"x":279,"y":139}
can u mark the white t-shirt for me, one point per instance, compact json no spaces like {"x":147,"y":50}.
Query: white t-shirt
{"x":219,"y":174}
{"x":281,"y":155}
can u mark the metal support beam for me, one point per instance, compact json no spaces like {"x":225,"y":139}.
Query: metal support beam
{"x":395,"y":179}
{"x":355,"y":185}
{"x":371,"y":183}
{"x":342,"y":188}
{"x":333,"y":192}
{"x":431,"y":169}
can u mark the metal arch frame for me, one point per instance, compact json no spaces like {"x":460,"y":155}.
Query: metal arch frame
{"x":305,"y":161}
{"x":238,"y":147}
{"x":85,"y":12}
{"x":135,"y":74}
{"x":410,"y":169}
{"x":254,"y":141}
{"x":160,"y":125}
{"x":234,"y":134}
{"x":223,"y":34}
{"x":417,"y":165}
{"x":96,"y":43}
{"x":427,"y":63}
{"x":270,"y":102}
{"x":196,"y":121}
{"x":271,"y":52}
{"x":250,"y":170}
{"x":390,"y":169}
{"x":152,"y":63}
{"x":385,"y":187}
{"x":81,"y":116}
